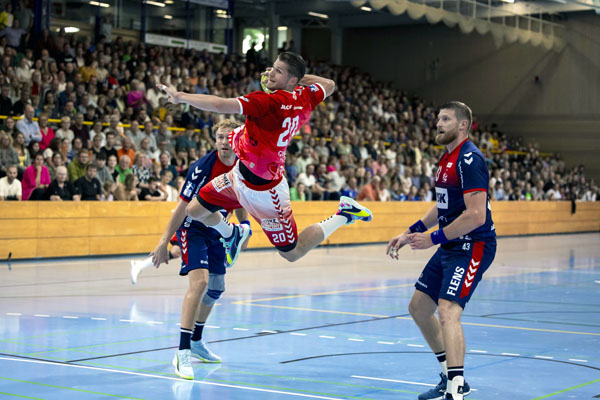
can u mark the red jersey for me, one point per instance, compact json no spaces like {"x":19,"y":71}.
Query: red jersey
{"x":271,"y":121}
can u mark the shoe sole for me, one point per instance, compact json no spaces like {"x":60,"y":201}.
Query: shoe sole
{"x":242,"y":240}
{"x":442,"y":396}
{"x":196,"y":356}
{"x":174,"y":362}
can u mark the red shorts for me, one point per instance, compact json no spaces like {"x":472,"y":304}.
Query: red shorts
{"x":269,"y":206}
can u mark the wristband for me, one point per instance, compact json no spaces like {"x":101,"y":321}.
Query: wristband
{"x":418,"y":226}
{"x":438,"y":237}
{"x":246,"y":222}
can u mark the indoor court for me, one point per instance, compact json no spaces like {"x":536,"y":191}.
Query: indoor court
{"x":333,"y":326}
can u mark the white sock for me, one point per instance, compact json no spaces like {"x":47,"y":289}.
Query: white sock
{"x":224,"y":228}
{"x":444,"y":365}
{"x":332,"y":224}
{"x":147,"y":263}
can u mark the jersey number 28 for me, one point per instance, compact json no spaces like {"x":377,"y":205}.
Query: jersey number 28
{"x":291,"y":126}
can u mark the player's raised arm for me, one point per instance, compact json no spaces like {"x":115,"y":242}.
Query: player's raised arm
{"x":204,"y":102}
{"x":328,"y":84}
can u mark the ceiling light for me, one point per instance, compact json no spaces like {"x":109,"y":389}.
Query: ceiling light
{"x":71,"y":29}
{"x":154,"y":3}
{"x":282,"y":28}
{"x":99,"y":4}
{"x":365,"y":8}
{"x":168,"y":17}
{"x":314,"y":14}
{"x":169,"y":2}
{"x":508,"y":1}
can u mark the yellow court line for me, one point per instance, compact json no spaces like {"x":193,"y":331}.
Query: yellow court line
{"x":325,"y":293}
{"x":531,"y":329}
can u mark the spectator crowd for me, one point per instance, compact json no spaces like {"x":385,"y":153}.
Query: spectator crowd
{"x":84,"y":121}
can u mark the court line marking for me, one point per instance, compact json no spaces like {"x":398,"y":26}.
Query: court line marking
{"x":14,"y":313}
{"x":22,"y":396}
{"x":391,"y":380}
{"x":386,"y":342}
{"x":327,"y":337}
{"x":41,"y":315}
{"x":566,"y":390}
{"x":295,"y":296}
{"x":577,"y":360}
{"x":170,"y":378}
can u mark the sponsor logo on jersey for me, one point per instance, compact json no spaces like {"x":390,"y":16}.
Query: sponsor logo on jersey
{"x":455,"y":281}
{"x":445,"y":178}
{"x":270,"y":224}
{"x":205,"y":262}
{"x":221,"y":182}
{"x":468,"y":158}
{"x":298,"y":108}
{"x":449,"y":165}
{"x":313,"y":88}
{"x":245,"y":99}
{"x":286,"y":107}
{"x":442,"y":197}
{"x":189,"y":189}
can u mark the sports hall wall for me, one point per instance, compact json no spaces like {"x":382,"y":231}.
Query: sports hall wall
{"x":561,"y":111}
{"x":55,"y":229}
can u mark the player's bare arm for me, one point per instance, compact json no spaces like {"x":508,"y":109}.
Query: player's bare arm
{"x":327,"y":84}
{"x":396,"y":243}
{"x":159,"y":254}
{"x":472,"y":218}
{"x":204,"y":102}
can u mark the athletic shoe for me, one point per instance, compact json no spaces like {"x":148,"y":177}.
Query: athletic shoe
{"x":183,"y":364}
{"x":353,"y":211}
{"x":135,"y":271}
{"x":233,"y":244}
{"x":439,"y":392}
{"x":201,"y":352}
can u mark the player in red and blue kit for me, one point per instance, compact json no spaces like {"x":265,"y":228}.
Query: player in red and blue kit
{"x":257,"y":182}
{"x":202,"y":255}
{"x":467,"y":248}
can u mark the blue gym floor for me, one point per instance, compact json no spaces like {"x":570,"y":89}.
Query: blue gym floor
{"x":331,"y":326}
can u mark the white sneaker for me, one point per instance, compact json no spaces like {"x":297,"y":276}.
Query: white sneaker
{"x":183,"y":364}
{"x":201,"y":352}
{"x":134,"y":272}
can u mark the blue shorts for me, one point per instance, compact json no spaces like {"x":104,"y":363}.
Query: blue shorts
{"x":455,"y":270}
{"x":199,"y":250}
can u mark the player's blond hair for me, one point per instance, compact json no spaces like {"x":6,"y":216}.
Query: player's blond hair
{"x":226,"y":124}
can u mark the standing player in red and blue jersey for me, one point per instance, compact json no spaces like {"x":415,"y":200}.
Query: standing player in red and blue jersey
{"x":202,"y":255}
{"x":257,"y":182}
{"x":467,"y":248}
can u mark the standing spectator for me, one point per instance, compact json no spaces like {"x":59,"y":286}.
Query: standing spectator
{"x":36,"y":179}
{"x":29,"y":127}
{"x":60,"y":189}
{"x":88,"y":186}
{"x":46,"y":131}
{"x":10,"y":186}
{"x":78,"y":167}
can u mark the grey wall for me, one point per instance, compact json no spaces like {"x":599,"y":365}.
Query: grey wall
{"x":561,"y":111}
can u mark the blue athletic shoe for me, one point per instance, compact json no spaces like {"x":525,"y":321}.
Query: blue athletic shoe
{"x":439,"y":392}
{"x":233,"y":244}
{"x":201,"y":352}
{"x":353,"y":211}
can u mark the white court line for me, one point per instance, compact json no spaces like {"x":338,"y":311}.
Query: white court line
{"x":240,"y":329}
{"x":478,"y":351}
{"x":297,"y":334}
{"x":126,"y":320}
{"x":209,"y":326}
{"x":392,"y":380}
{"x":327,"y":337}
{"x":575,"y":359}
{"x":70,"y":317}
{"x":268,"y":332}
{"x":356,"y":340}
{"x":544,"y":357}
{"x":415,"y":345}
{"x":510,"y":354}
{"x":14,"y":313}
{"x":386,"y":342}
{"x":42,"y":315}
{"x":98,"y":319}
{"x":118,"y":371}
{"x":154,"y":322}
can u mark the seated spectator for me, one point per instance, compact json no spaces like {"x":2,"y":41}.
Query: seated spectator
{"x":45,"y":130}
{"x":78,"y":167}
{"x":102,"y":173}
{"x":22,"y":152}
{"x":65,"y":131}
{"x":8,"y":156}
{"x":108,"y":191}
{"x":413,"y":194}
{"x":36,"y":179}
{"x":371,"y":190}
{"x":29,"y":127}
{"x":127,"y":191}
{"x":111,"y":141}
{"x":123,"y":168}
{"x":76,"y":147}
{"x":185,"y":141}
{"x":165,"y":165}
{"x":351,"y":188}
{"x":10,"y":186}
{"x":499,"y":194}
{"x":135,"y":134}
{"x":127,"y":150}
{"x":88,"y":186}
{"x":97,"y":131}
{"x":60,"y":189}
{"x":56,"y":161}
{"x":169,"y":191}
{"x":298,"y":192}
{"x":81,"y":131}
{"x":554,"y":193}
{"x":151,"y":193}
{"x":140,"y":170}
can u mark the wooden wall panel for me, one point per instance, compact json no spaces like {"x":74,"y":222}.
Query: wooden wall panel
{"x":48,"y":229}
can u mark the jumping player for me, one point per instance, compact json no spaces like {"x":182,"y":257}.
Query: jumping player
{"x":202,"y":255}
{"x":257,"y":182}
{"x":468,"y":246}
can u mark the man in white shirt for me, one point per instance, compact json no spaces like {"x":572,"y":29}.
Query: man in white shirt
{"x":10,"y":186}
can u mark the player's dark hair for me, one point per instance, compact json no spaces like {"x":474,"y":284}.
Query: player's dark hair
{"x":295,"y":63}
{"x":461,"y":110}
